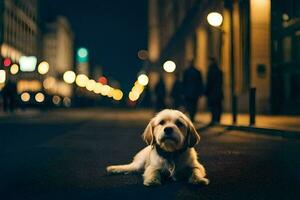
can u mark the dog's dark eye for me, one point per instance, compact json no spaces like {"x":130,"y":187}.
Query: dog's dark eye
{"x":162,"y":122}
{"x":179,"y":123}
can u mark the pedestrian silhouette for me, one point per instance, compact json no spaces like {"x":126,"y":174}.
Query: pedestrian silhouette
{"x":176,"y":93}
{"x":214,"y":91}
{"x":192,"y":89}
{"x":160,"y":95}
{"x":9,"y":93}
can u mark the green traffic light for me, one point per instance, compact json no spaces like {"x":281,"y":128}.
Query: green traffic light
{"x":82,"y":54}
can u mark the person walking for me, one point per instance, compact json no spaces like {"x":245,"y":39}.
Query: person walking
{"x":9,"y":93}
{"x":214,"y":91}
{"x":193,"y":89}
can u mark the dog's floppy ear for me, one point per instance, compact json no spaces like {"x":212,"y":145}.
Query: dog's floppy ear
{"x":148,"y":136}
{"x":192,"y":136}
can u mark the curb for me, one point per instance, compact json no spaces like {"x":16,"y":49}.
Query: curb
{"x":265,"y":131}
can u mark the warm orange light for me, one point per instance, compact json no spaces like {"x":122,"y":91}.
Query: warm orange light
{"x":40,"y":97}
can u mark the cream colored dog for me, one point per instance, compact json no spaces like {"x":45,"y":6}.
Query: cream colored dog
{"x":170,"y":136}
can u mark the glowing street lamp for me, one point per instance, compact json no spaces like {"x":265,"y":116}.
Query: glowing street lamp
{"x":169,"y":66}
{"x":214,"y":19}
{"x":69,"y":77}
{"x":43,"y":67}
{"x":143,"y":79}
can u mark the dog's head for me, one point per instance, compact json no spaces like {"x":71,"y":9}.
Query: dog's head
{"x":171,"y":130}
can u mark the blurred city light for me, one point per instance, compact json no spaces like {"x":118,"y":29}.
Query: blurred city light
{"x":81,"y":80}
{"x":2,"y":76}
{"x":27,"y":64}
{"x":56,"y":100}
{"x":138,"y":88}
{"x":82,"y":54}
{"x":69,"y":77}
{"x":143,"y":79}
{"x":102,"y":80}
{"x":90,"y":85}
{"x":25,"y":96}
{"x":14,"y":69}
{"x":117,"y":95}
{"x":214,"y":19}
{"x":169,"y":66}
{"x":105,"y":90}
{"x":143,"y":54}
{"x":98,"y":87}
{"x":43,"y":67}
{"x":39,"y":97}
{"x":67,"y":102}
{"x":133,"y":96}
{"x":7,"y":62}
{"x":49,"y":82}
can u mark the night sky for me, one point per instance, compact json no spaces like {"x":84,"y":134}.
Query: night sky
{"x":112,"y":30}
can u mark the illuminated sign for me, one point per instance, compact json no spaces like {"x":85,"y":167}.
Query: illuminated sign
{"x":28,"y":64}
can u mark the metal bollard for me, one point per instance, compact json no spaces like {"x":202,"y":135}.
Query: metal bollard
{"x":252,"y":110}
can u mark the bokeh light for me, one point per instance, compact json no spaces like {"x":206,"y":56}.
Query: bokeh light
{"x":2,"y":76}
{"x":7,"y":62}
{"x":43,"y":67}
{"x":105,"y":90}
{"x":39,"y":97}
{"x":67,"y":102}
{"x":14,"y":69}
{"x":81,"y":80}
{"x":117,"y":95}
{"x":69,"y":77}
{"x":143,"y":79}
{"x":214,"y":19}
{"x":169,"y":66}
{"x":25,"y":97}
{"x":90,"y":85}
{"x":49,"y":82}
{"x":56,"y":100}
{"x":98,"y":87}
{"x":133,"y":96}
{"x":102,"y":80}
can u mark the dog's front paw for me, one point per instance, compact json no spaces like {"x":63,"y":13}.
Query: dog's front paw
{"x":113,"y":170}
{"x":152,"y":182}
{"x":196,"y":180}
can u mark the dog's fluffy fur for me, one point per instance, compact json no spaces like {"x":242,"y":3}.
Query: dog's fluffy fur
{"x":171,"y":137}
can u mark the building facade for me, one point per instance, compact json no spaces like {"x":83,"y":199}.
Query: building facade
{"x":58,"y":51}
{"x":19,"y":32}
{"x":255,"y":43}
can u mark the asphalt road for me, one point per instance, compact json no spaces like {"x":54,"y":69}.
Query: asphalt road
{"x":63,"y":155}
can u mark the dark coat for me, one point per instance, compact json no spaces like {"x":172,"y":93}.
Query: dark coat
{"x":214,"y":85}
{"x":192,"y":83}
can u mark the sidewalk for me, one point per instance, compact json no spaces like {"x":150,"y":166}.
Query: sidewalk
{"x":279,"y":125}
{"x":18,"y":112}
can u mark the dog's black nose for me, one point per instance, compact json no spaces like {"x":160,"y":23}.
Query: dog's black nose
{"x":168,"y":130}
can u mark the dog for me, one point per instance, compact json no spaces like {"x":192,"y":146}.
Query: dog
{"x":171,"y":137}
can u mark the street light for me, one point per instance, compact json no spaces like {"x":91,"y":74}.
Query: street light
{"x":169,"y":66}
{"x":215,"y":19}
